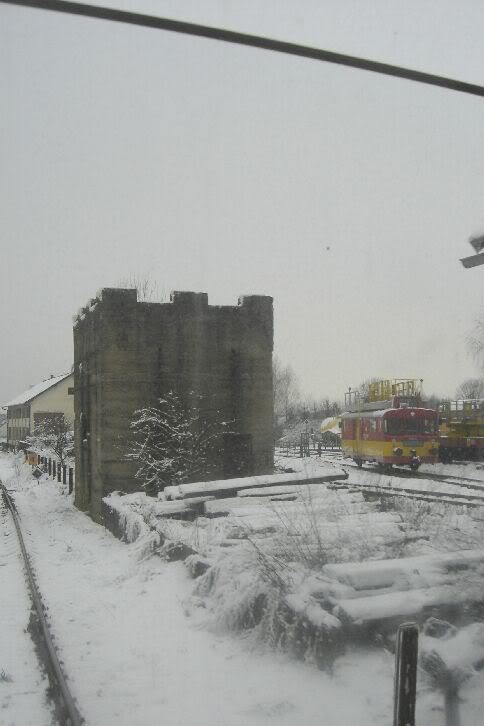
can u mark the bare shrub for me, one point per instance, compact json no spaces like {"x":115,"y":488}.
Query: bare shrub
{"x":265,"y":586}
{"x":414,"y":512}
{"x":293,"y":632}
{"x":148,"y":291}
{"x":55,"y":434}
{"x":18,"y":465}
{"x":302,"y":540}
{"x":21,"y":470}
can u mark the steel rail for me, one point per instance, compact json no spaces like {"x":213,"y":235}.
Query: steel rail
{"x":457,"y":481}
{"x":456,"y":500}
{"x":407,"y":474}
{"x":73,"y":716}
{"x":247,"y":39}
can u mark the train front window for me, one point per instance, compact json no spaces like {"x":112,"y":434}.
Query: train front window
{"x":395,"y":426}
{"x":430,"y":426}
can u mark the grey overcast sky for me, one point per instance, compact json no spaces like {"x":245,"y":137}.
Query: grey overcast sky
{"x":349,"y":197}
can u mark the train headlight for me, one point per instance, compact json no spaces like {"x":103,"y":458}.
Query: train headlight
{"x":398,"y":451}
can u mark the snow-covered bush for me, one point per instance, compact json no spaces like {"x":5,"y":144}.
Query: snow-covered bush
{"x":243,"y":597}
{"x":174,"y":442}
{"x":53,"y":434}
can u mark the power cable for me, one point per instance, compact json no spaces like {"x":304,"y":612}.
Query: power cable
{"x":254,"y":41}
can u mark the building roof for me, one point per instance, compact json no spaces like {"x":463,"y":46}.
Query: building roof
{"x":36,"y":390}
{"x":331,"y":425}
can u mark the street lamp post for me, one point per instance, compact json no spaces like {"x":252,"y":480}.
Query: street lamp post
{"x":478,"y":258}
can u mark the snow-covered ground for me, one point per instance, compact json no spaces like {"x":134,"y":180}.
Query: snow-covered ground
{"x":133,"y":655}
{"x":448,"y":527}
{"x":311,"y":465}
{"x":370,"y":475}
{"x":137,"y":651}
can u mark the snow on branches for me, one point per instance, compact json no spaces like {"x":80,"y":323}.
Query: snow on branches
{"x":53,"y":433}
{"x":174,"y":442}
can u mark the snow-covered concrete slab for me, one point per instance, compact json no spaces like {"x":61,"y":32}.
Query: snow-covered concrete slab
{"x":400,"y":605}
{"x":400,"y":588}
{"x":220,"y":487}
{"x":270,"y":491}
{"x":416,"y":571}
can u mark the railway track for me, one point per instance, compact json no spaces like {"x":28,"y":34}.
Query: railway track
{"x":434,"y":496}
{"x":465,"y":481}
{"x":453,"y":498}
{"x":456,"y":498}
{"x":66,"y":710}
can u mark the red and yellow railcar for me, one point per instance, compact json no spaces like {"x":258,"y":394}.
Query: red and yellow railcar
{"x":390,"y":426}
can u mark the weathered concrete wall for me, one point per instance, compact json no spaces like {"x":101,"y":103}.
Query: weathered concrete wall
{"x":128,"y":353}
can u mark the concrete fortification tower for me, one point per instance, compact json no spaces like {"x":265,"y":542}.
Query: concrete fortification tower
{"x":128,"y":353}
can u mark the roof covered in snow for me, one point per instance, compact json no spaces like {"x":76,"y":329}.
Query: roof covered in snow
{"x":36,"y":390}
{"x":331,"y":424}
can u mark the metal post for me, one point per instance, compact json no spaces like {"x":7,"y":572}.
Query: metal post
{"x":405,"y":675}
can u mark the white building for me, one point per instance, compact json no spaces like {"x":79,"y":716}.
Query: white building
{"x":43,"y":402}
{"x":3,"y":428}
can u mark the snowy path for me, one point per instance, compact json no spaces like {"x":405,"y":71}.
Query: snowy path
{"x":134,"y":657}
{"x":23,"y":687}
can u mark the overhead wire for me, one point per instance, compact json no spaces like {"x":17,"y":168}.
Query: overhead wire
{"x":247,"y":39}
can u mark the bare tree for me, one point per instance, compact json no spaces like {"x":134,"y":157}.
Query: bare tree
{"x":174,"y":443}
{"x":431,"y":401}
{"x":286,"y":391}
{"x":326,"y":408}
{"x":476,"y":342}
{"x":54,"y":433}
{"x":148,"y":291}
{"x":471,"y":388}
